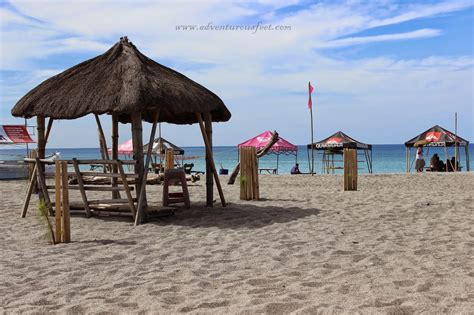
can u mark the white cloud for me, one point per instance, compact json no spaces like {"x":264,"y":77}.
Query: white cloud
{"x":263,"y":73}
{"x":423,"y":33}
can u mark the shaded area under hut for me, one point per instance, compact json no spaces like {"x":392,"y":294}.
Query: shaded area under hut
{"x":438,"y":136}
{"x":332,"y":148}
{"x":130,"y":88}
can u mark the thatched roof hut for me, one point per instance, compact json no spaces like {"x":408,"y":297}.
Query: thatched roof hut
{"x":121,"y":81}
{"x":130,"y":87}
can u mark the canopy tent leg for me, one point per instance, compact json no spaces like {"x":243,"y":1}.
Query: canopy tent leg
{"x":142,"y":202}
{"x":467,"y":158}
{"x":309,"y":162}
{"x":211,"y":159}
{"x":209,"y":175}
{"x":278,"y":161}
{"x":407,"y":159}
{"x":446,"y":156}
{"x":115,"y":137}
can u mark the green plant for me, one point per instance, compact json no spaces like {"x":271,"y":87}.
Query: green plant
{"x":43,"y":215}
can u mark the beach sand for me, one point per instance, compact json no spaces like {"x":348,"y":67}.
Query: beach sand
{"x":401,"y":244}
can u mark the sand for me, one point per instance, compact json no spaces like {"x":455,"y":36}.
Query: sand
{"x":401,"y":244}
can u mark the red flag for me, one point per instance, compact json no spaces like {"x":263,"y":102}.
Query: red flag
{"x":310,"y":90}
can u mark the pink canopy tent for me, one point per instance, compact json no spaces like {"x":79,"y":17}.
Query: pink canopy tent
{"x":282,"y":146}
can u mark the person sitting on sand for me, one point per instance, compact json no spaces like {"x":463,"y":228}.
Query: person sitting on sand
{"x":434,"y":163}
{"x":420,"y":161}
{"x":295,"y":169}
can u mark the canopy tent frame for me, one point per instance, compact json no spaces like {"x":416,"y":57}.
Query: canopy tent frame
{"x":281,"y":146}
{"x":334,"y":145}
{"x":438,"y":136}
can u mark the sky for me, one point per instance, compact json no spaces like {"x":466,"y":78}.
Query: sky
{"x":383,"y":71}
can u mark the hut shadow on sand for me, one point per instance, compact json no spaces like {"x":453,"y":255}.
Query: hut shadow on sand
{"x":235,"y":216}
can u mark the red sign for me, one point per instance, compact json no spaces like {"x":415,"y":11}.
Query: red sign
{"x":14,"y":134}
{"x":433,"y":136}
{"x":334,"y":140}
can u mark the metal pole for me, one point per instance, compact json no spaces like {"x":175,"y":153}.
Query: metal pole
{"x":455,"y":166}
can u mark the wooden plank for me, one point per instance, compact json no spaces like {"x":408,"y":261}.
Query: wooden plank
{"x":209,"y":175}
{"x":31,"y":186}
{"x":211,"y":159}
{"x":142,"y":202}
{"x":127,"y":189}
{"x":44,"y":161}
{"x":43,"y":187}
{"x":65,"y":205}
{"x":98,"y":174}
{"x":94,"y":188}
{"x":80,"y":184}
{"x":57,"y":204}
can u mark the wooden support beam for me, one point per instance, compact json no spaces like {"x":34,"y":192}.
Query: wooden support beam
{"x":127,"y":189}
{"x":102,"y":142}
{"x":115,"y":139}
{"x":211,"y":159}
{"x":209,"y":175}
{"x":468,"y":168}
{"x":142,"y":203}
{"x":137,"y":140}
{"x":80,"y":183}
{"x":43,"y":187}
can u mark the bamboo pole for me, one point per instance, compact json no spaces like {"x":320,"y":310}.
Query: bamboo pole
{"x":468,"y":168}
{"x":66,"y":230}
{"x":58,"y":205}
{"x":102,"y":142}
{"x":209,"y":177}
{"x":80,"y":183}
{"x":142,"y":192}
{"x":115,"y":139}
{"x":211,"y":159}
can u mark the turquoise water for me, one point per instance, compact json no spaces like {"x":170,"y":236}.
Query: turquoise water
{"x":387,"y":158}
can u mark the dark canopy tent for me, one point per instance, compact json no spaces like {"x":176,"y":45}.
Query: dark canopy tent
{"x":335,"y":145}
{"x":160,"y":145}
{"x":437,"y":136}
{"x":130,"y":87}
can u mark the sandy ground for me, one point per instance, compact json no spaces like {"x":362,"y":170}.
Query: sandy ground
{"x":401,"y":244}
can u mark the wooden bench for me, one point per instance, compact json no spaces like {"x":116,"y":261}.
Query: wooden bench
{"x":268,"y":170}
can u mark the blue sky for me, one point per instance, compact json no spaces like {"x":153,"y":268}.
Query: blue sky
{"x":383,"y":71}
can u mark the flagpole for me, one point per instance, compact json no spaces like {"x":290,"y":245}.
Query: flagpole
{"x":312,"y":141}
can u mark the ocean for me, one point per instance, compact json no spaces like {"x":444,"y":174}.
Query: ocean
{"x":387,"y":158}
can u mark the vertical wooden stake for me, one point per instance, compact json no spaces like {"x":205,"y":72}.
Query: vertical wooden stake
{"x":209,"y":175}
{"x":58,"y":205}
{"x":65,"y":208}
{"x":350,"y":169}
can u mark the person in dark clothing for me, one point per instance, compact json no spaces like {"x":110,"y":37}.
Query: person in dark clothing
{"x":295,"y":169}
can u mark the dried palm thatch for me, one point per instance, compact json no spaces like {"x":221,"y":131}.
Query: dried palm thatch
{"x":121,"y":81}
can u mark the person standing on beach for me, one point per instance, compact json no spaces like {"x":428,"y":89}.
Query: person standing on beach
{"x":420,"y":161}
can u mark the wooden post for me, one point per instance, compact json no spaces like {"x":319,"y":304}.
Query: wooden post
{"x":102,"y":142}
{"x":446,"y":157}
{"x":115,"y":137}
{"x":211,"y":159}
{"x":58,"y":205}
{"x":66,"y":230}
{"x":209,"y":177}
{"x":249,"y":188}
{"x":142,"y":202}
{"x":127,"y":188}
{"x":350,"y":169}
{"x":80,"y":183}
{"x":137,"y":140}
{"x":169,"y":159}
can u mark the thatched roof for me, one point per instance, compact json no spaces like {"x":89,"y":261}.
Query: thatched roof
{"x":121,"y":81}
